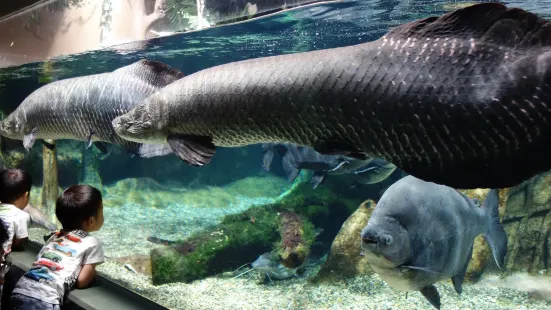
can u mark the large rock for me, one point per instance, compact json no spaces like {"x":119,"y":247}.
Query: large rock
{"x":344,"y":260}
{"x":527,"y":220}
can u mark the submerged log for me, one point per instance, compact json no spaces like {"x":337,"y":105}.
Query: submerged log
{"x":50,"y":188}
{"x":216,"y":250}
{"x":296,"y":238}
{"x":285,"y":227}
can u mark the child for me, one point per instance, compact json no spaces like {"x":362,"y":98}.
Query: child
{"x":4,"y":236}
{"x":15,"y":188}
{"x":69,"y":258}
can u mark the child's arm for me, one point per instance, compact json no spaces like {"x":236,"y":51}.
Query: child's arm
{"x":21,"y":236}
{"x":86,"y":275}
{"x":93,"y":258}
{"x":18,"y":244}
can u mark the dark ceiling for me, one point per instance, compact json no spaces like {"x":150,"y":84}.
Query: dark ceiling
{"x":10,"y":6}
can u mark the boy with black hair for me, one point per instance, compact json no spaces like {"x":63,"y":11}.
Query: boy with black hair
{"x":15,"y":189}
{"x":70,"y":257}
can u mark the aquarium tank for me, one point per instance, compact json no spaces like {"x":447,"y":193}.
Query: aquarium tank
{"x":261,"y":226}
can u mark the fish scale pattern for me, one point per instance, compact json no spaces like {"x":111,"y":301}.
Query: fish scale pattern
{"x":399,"y":99}
{"x":75,"y":107}
{"x":462,"y":99}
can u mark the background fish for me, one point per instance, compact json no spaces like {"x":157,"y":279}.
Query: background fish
{"x":273,"y":267}
{"x":376,"y":171}
{"x":83,"y":108}
{"x":454,"y":99}
{"x":421,"y":232}
{"x":295,"y":158}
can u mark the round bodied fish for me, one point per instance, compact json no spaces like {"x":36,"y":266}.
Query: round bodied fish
{"x":421,"y":232}
{"x":83,"y":108}
{"x":463,"y":100}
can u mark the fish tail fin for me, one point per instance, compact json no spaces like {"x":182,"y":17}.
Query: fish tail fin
{"x":495,"y":236}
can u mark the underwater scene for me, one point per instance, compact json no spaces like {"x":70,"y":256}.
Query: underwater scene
{"x":277,"y":225}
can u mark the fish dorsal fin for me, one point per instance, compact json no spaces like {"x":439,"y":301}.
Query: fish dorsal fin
{"x":153,"y":72}
{"x":486,"y":22}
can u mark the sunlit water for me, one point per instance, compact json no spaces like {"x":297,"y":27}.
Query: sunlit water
{"x":310,"y":28}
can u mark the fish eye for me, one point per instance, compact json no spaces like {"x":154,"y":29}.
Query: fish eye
{"x":388,"y":240}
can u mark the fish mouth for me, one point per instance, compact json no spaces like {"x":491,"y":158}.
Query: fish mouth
{"x":368,"y":240}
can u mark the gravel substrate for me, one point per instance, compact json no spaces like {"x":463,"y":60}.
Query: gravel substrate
{"x":253,"y":291}
{"x":369,"y":292}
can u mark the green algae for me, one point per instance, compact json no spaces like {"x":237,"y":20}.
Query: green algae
{"x":212,"y":251}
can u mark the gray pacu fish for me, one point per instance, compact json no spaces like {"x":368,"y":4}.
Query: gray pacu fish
{"x":421,"y":232}
{"x":83,"y":108}
{"x":462,"y":100}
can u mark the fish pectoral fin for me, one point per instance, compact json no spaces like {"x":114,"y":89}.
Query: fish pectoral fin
{"x":317,"y":179}
{"x":89,"y":140}
{"x":426,"y":269}
{"x":432,"y":295}
{"x":290,"y":168}
{"x":194,"y":150}
{"x":331,"y":147}
{"x":457,"y":280}
{"x":103,"y":147}
{"x":29,"y":139}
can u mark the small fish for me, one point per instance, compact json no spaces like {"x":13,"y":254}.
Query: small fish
{"x":273,"y":268}
{"x":38,"y":218}
{"x":82,"y":108}
{"x":455,"y":99}
{"x":421,"y":232}
{"x":130,"y":268}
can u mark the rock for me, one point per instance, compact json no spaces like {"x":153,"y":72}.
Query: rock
{"x":344,"y":260}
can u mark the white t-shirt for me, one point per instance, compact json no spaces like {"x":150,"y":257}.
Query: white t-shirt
{"x":58,"y":265}
{"x":17,"y":221}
